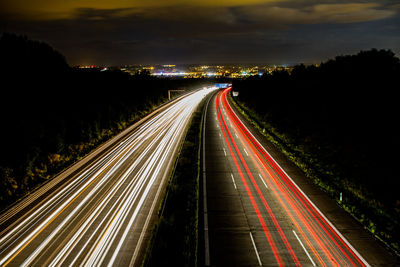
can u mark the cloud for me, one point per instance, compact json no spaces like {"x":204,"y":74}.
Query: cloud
{"x":56,"y":9}
{"x":351,"y":12}
{"x":232,"y":19}
{"x":103,"y":14}
{"x":319,"y":13}
{"x":126,"y":31}
{"x":266,"y":12}
{"x":205,"y":20}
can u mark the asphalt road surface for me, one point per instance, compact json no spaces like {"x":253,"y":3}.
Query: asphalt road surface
{"x":98,"y":212}
{"x":255,"y":214}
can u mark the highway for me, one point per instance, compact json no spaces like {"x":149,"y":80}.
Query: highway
{"x":254,"y":213}
{"x":100,"y":212}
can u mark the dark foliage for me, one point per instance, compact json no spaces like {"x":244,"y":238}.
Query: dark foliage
{"x":340,"y":119}
{"x":26,"y":56}
{"x":51,"y":115}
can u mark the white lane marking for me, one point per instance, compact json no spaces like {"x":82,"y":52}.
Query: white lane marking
{"x":236,"y":135}
{"x":262,"y":179}
{"x":305,"y":250}
{"x":245,"y":151}
{"x":233,"y":180}
{"x":305,"y":196}
{"x":220,"y":135}
{"x":224,"y":151}
{"x":255,"y":249}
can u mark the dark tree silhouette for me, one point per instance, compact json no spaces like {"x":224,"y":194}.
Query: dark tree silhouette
{"x":340,"y":119}
{"x":52,"y":114}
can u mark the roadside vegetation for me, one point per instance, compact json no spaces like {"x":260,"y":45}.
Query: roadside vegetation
{"x":174,"y":240}
{"x":338,"y":123}
{"x":52,"y":115}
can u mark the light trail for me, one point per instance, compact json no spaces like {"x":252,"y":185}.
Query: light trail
{"x":226,"y":132}
{"x":99,"y":217}
{"x":327,"y":246}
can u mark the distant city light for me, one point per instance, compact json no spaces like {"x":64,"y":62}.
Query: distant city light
{"x":203,"y":71}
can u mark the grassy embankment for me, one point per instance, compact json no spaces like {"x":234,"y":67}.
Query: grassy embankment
{"x":174,"y":240}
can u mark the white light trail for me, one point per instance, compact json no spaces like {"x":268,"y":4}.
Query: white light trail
{"x":96,"y":212}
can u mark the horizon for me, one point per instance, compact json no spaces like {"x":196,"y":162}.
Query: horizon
{"x":268,"y":32}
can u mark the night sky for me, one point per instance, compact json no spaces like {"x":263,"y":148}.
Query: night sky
{"x":117,"y":32}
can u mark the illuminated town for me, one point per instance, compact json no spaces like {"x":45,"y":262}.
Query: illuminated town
{"x":197,"y":71}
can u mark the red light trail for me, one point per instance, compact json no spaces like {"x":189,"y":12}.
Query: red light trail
{"x":326,"y":245}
